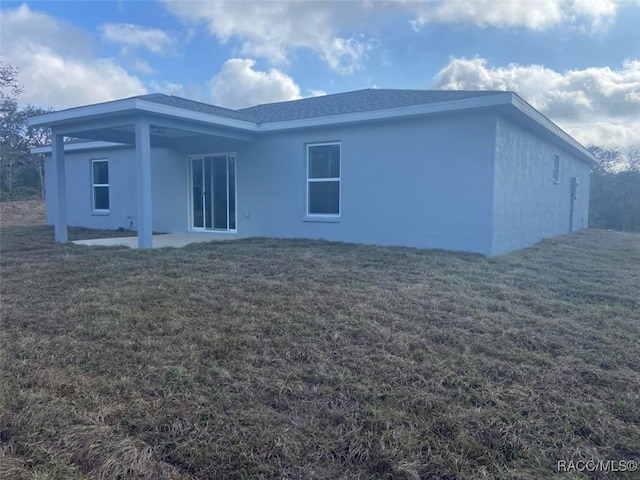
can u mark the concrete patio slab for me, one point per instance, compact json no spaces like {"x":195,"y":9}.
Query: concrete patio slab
{"x":176,"y":240}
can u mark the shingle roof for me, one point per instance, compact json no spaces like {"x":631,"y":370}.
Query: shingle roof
{"x":340,"y":103}
{"x":351,"y":102}
{"x":196,"y":106}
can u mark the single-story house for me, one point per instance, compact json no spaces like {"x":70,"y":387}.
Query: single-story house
{"x":478,"y":171}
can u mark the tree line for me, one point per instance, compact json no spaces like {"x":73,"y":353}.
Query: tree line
{"x":615,"y":182}
{"x":614,"y":197}
{"x":21,"y":172}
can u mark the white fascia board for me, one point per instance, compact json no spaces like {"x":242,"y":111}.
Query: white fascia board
{"x":140,"y":105}
{"x":137,"y":104}
{"x":184,"y":114}
{"x":49,"y":119}
{"x":539,"y":118}
{"x":74,"y":147}
{"x":132,"y":104}
{"x":390,"y":113}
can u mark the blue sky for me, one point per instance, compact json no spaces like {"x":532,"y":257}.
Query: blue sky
{"x":577,"y":61}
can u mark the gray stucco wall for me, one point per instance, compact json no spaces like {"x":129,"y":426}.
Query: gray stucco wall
{"x":78,"y":181}
{"x":429,"y":183}
{"x":169,"y":174}
{"x":528,"y":205}
{"x":169,"y":177}
{"x":421,"y":183}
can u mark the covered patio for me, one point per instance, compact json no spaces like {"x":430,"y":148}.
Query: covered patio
{"x":142,"y":122}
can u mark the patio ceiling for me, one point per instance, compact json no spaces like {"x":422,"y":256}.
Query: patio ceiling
{"x":183,"y":136}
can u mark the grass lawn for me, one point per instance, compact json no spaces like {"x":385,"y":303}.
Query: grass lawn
{"x":297,"y":359}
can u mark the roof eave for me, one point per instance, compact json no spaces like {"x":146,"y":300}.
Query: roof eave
{"x":80,"y":146}
{"x":201,"y":117}
{"x":71,"y":114}
{"x":130,"y":105}
{"x":522,"y":106}
{"x":136,"y":104}
{"x":389,"y":113}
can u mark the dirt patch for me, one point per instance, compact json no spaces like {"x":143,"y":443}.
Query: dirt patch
{"x":26,"y":212}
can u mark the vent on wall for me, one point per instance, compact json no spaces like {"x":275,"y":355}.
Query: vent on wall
{"x":556,"y":169}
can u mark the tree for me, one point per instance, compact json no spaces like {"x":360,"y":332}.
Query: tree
{"x":21,"y":172}
{"x":9,"y":86}
{"x":615,"y":189}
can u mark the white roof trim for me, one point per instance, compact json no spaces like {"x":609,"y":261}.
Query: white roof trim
{"x":88,"y":145}
{"x":132,"y":104}
{"x":145,"y":106}
{"x":182,"y":113}
{"x":117,"y":106}
{"x":390,"y":113}
{"x":121,"y":106}
{"x":539,"y":118}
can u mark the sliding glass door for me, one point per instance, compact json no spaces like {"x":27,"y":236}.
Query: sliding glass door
{"x":213,"y":192}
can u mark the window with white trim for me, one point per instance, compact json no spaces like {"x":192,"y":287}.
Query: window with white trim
{"x":556,"y":169}
{"x":100,"y":185}
{"x":323,"y":179}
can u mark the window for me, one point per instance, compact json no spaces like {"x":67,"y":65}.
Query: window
{"x":323,"y":179}
{"x":556,"y":169}
{"x":100,"y":185}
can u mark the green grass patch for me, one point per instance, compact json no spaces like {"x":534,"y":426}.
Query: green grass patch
{"x":300,"y":359}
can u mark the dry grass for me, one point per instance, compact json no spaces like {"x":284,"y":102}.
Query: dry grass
{"x":26,"y":212}
{"x":304,"y":359}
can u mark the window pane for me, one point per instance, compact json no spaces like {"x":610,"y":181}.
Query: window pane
{"x":208,"y":193}
{"x":197,"y":183}
{"x":324,"y":198}
{"x":101,"y":198}
{"x":232,"y":193}
{"x":220,"y":193}
{"x":101,"y":172}
{"x":324,"y":161}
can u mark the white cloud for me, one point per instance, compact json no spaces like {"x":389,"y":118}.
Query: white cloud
{"x":271,"y":30}
{"x":343,"y":54}
{"x":238,"y":85}
{"x":169,"y":88}
{"x":127,"y":34}
{"x":130,"y":60}
{"x":55,"y":62}
{"x":534,"y":15}
{"x":317,"y":93}
{"x":596,"y":105}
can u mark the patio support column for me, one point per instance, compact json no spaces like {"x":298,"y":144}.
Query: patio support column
{"x":57,"y":153}
{"x":143,"y":180}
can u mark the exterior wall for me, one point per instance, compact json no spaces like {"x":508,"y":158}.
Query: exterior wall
{"x":169,"y":194}
{"x":422,"y":183}
{"x":430,"y":183}
{"x":528,"y":205}
{"x":122,"y":200}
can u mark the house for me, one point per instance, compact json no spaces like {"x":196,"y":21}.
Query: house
{"x":477,"y":171}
